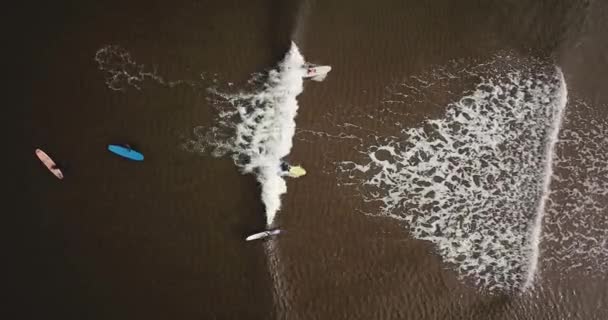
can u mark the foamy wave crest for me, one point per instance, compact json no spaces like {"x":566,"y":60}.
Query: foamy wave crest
{"x":256,"y":129}
{"x":472,"y":182}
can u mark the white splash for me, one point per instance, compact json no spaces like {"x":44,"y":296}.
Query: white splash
{"x":256,"y":129}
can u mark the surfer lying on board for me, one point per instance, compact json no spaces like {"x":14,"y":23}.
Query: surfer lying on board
{"x":316,"y":72}
{"x":291,"y":171}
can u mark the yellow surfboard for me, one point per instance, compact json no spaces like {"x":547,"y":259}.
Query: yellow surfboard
{"x":296,"y":171}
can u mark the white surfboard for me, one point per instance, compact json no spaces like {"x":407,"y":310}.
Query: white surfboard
{"x":263,"y":234}
{"x":317,"y":73}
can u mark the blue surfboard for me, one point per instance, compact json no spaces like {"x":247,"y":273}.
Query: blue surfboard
{"x":125,"y":152}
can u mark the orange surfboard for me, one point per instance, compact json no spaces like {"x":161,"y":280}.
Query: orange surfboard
{"x":49,"y":163}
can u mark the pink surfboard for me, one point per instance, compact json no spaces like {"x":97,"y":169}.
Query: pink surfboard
{"x":49,"y":163}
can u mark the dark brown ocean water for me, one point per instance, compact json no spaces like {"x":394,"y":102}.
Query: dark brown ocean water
{"x":163,"y":239}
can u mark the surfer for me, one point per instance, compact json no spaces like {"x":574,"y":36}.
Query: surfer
{"x":284,"y":167}
{"x":316,"y":72}
{"x":291,"y":171}
{"x":310,"y":69}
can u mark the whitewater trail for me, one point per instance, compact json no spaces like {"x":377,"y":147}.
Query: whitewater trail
{"x":256,"y":129}
{"x":275,"y":137}
{"x":475,"y":181}
{"x":121,"y":71}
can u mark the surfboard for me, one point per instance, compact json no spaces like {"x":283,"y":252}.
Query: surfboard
{"x":126,"y":152}
{"x":263,"y":234}
{"x":49,"y":163}
{"x":296,"y":171}
{"x":317,"y":73}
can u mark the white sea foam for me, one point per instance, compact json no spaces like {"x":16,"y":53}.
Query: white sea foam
{"x":474,"y":180}
{"x":575,"y":237}
{"x":122,"y":71}
{"x":256,"y":129}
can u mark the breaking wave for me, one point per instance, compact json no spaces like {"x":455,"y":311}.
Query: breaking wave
{"x":256,"y":129}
